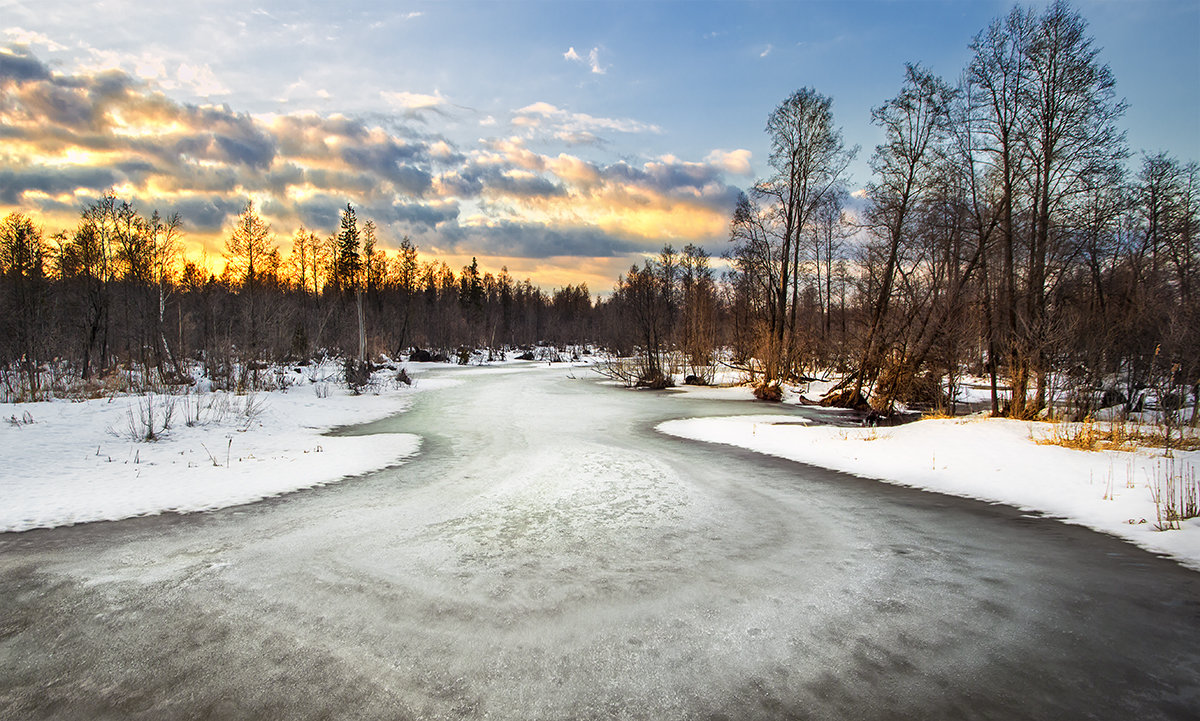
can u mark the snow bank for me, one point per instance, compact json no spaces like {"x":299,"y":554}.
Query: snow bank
{"x":992,"y":460}
{"x":76,"y":462}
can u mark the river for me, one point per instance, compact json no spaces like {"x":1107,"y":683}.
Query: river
{"x":548,"y":555}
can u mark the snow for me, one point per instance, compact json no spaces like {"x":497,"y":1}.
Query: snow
{"x":76,"y":462}
{"x":989,"y":459}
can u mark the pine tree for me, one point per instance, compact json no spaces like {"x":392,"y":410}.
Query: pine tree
{"x":347,"y":270}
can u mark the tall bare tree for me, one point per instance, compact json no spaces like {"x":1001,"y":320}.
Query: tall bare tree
{"x":809,"y":160}
{"x":915,"y":124}
{"x":247,"y":250}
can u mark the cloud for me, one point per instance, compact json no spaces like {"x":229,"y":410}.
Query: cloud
{"x":21,"y":68}
{"x":420,"y":216}
{"x":52,"y":181}
{"x":68,"y":137}
{"x":200,"y":79}
{"x":538,"y":240}
{"x":592,"y":61}
{"x":557,"y":120}
{"x":731,"y":161}
{"x":28,"y":38}
{"x":79,"y":134}
{"x":579,"y":137}
{"x":415,"y":105}
{"x":205,"y":212}
{"x":444,"y":152}
{"x":767,"y":51}
{"x":166,"y":72}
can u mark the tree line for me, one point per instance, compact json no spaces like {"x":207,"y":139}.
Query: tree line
{"x":116,"y":296}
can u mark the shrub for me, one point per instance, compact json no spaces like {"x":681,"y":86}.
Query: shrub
{"x":772,"y":392}
{"x":654,"y":381}
{"x":357,"y":375}
{"x":148,"y":419}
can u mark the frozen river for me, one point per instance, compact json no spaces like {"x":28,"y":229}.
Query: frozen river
{"x":548,"y":555}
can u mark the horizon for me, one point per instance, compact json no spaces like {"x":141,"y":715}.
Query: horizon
{"x":563,"y":142}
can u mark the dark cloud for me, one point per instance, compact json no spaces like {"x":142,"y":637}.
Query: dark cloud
{"x":332,"y":181}
{"x":462,"y":185}
{"x":416,"y":215}
{"x":691,"y":182}
{"x":136,"y":170}
{"x":57,"y":105}
{"x":474,"y":180}
{"x":318,"y":212}
{"x":665,"y":177}
{"x":392,"y":161}
{"x":22,"y":68}
{"x":283,"y":175}
{"x":53,"y":181}
{"x":411,"y":180}
{"x":530,"y":240}
{"x":669,"y":176}
{"x":224,"y":136}
{"x":256,"y":152}
{"x":526,"y":186}
{"x":206,"y":214}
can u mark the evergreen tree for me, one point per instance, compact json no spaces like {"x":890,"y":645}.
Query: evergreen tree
{"x":347,"y":269}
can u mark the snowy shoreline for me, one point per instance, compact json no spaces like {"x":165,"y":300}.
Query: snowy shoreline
{"x":76,"y":461}
{"x":991,"y":460}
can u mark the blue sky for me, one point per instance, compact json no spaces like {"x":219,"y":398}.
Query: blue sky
{"x":562,"y":139}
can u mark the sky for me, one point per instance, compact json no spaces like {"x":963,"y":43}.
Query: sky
{"x":562,"y":140}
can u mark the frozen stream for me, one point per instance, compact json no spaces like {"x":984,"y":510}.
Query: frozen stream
{"x":549,"y":556}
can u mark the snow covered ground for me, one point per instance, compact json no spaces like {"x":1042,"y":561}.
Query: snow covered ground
{"x":64,"y":462}
{"x":989,"y":459}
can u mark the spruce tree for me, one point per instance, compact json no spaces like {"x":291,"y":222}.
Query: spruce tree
{"x":348,"y":266}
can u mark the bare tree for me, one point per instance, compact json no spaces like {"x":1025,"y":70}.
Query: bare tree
{"x":809,"y":160}
{"x":247,"y":250}
{"x":915,"y":124}
{"x":22,"y":266}
{"x":1070,"y":139}
{"x":163,"y":239}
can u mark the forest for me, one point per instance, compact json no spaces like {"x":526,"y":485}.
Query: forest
{"x":1007,"y":232}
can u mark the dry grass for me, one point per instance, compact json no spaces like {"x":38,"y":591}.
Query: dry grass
{"x":1088,"y":435}
{"x":939,"y":414}
{"x":1176,"y":492}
